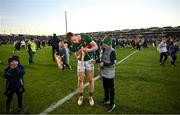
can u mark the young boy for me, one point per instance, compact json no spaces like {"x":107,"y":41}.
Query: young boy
{"x":14,"y":74}
{"x":173,"y":49}
{"x":162,"y":48}
{"x":107,"y":72}
{"x":83,"y":45}
{"x":64,"y":56}
{"x":67,"y":54}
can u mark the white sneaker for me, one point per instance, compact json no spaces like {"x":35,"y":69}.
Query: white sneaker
{"x":80,"y":100}
{"x":91,"y":101}
{"x":111,"y":107}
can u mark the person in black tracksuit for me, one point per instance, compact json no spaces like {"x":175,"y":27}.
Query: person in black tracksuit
{"x":54,"y":42}
{"x":14,"y":82}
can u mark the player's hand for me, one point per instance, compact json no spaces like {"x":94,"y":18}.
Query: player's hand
{"x":86,"y":50}
{"x":93,"y":61}
{"x":79,"y":55}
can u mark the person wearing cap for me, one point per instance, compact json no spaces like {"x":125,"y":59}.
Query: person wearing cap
{"x":83,"y":46}
{"x":107,"y":72}
{"x":14,"y":82}
{"x":162,"y":48}
{"x":31,"y":49}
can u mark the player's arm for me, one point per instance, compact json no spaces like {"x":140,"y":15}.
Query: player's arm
{"x":77,"y":54}
{"x":93,"y":47}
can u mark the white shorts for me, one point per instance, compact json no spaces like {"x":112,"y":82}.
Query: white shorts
{"x":85,"y":67}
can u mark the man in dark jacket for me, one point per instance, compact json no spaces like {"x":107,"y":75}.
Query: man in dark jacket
{"x":14,"y":82}
{"x":54,"y":42}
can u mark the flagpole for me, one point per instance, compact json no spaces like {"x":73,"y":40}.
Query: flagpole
{"x":66,"y":21}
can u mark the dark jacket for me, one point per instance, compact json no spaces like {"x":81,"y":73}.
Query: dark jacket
{"x":173,"y":49}
{"x":14,"y":78}
{"x":54,"y":42}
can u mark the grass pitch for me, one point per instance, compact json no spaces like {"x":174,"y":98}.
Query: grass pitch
{"x":141,"y":84}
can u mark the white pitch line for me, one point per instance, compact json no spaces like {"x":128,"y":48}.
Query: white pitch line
{"x":126,"y":57}
{"x":66,"y":98}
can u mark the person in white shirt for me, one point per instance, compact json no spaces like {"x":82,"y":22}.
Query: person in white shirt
{"x":23,"y":44}
{"x":162,"y":48}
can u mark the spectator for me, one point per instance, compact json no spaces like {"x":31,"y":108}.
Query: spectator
{"x":162,"y":48}
{"x":31,"y":50}
{"x":54,"y":42}
{"x":14,"y":83}
{"x":173,"y":49}
{"x":23,"y":44}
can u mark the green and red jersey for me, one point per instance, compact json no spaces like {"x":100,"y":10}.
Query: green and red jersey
{"x":85,"y":41}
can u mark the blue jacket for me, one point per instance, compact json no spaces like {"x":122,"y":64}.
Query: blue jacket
{"x":14,"y":78}
{"x":173,"y":49}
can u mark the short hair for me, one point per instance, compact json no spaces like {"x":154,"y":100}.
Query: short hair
{"x":83,"y":36}
{"x":110,"y":35}
{"x":31,"y":38}
{"x":68,"y":36}
{"x":13,"y":57}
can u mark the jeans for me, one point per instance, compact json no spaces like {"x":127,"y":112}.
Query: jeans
{"x":31,"y":55}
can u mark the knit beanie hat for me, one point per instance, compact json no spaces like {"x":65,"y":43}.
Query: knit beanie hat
{"x":107,"y":41}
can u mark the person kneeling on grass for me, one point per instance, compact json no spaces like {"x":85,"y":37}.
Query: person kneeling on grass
{"x":14,"y":74}
{"x":107,"y":72}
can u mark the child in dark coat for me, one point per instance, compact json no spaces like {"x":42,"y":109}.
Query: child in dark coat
{"x":14,"y":82}
{"x":173,"y":49}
